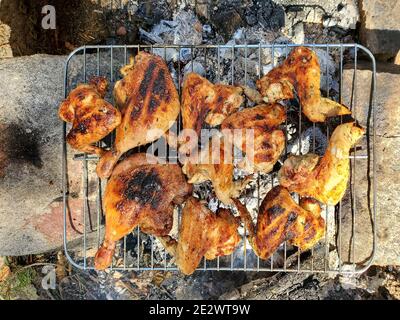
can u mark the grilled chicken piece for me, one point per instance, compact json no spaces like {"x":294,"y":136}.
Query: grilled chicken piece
{"x":300,"y":72}
{"x":141,"y":191}
{"x":281,"y":219}
{"x":149,"y":104}
{"x":215,"y":163}
{"x":325,"y":178}
{"x":267,"y":142}
{"x":91,"y":116}
{"x":204,"y":102}
{"x":202,"y":233}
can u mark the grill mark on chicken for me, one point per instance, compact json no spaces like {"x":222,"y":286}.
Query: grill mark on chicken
{"x":266,"y":145}
{"x":145,"y":89}
{"x":159,"y":87}
{"x":81,"y":127}
{"x":258,"y":117}
{"x":144,"y":86}
{"x":275,"y":211}
{"x":158,"y":92}
{"x":144,"y":188}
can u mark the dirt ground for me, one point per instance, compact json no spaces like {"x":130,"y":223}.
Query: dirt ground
{"x":78,"y":23}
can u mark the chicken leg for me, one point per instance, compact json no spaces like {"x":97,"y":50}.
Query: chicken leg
{"x":149,"y":104}
{"x":141,"y":191}
{"x":202,"y":234}
{"x":324,"y":179}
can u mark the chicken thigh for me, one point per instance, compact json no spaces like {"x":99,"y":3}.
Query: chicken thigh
{"x":91,"y":116}
{"x":141,"y":191}
{"x":281,"y":219}
{"x":149,"y":103}
{"x":202,"y":234}
{"x":204,"y":102}
{"x":260,"y":138}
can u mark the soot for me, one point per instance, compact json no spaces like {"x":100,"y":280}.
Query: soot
{"x":21,"y":145}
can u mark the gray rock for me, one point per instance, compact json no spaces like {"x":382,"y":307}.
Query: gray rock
{"x":30,"y":170}
{"x":387,"y":146}
{"x":340,"y":13}
{"x":380,"y":27}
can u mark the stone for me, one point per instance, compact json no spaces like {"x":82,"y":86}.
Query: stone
{"x":121,"y":31}
{"x":31,"y":219}
{"x":387,"y":144}
{"x":397,"y":58}
{"x":227,"y":22}
{"x":5,"y":34}
{"x":340,"y":13}
{"x":380,"y":27}
{"x":188,"y":28}
{"x":6,"y":51}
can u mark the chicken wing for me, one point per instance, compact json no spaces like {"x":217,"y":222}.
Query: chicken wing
{"x":91,"y":116}
{"x":325,"y":178}
{"x":204,"y":102}
{"x":149,"y":103}
{"x":215,"y":163}
{"x":141,"y":191}
{"x":268,"y":141}
{"x":202,"y":233}
{"x":281,"y":219}
{"x":300,"y":72}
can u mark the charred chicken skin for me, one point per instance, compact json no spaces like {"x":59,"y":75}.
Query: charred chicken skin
{"x":91,"y":116}
{"x":143,"y":192}
{"x":281,"y":219}
{"x":268,"y":141}
{"x":325,"y":178}
{"x":149,"y":104}
{"x":202,"y":234}
{"x":300,"y":73}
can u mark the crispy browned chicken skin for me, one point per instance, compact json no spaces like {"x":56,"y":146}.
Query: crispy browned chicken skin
{"x":202,"y":234}
{"x":323,"y":178}
{"x":149,"y":104}
{"x":281,"y":219}
{"x":268,"y":140}
{"x":300,"y":72}
{"x":91,"y":116}
{"x":204,"y":102}
{"x":140,"y":193}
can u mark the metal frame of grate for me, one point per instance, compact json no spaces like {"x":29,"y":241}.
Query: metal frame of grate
{"x":292,"y":262}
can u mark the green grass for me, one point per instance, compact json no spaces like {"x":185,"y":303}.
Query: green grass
{"x":18,"y":285}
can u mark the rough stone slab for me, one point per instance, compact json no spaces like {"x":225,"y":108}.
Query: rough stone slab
{"x":30,"y":158}
{"x":387,"y":144}
{"x":380,"y":27}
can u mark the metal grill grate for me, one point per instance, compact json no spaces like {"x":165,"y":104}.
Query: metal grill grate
{"x":142,"y":252}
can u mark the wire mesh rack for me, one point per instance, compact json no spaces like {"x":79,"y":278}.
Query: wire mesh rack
{"x":230,"y":64}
